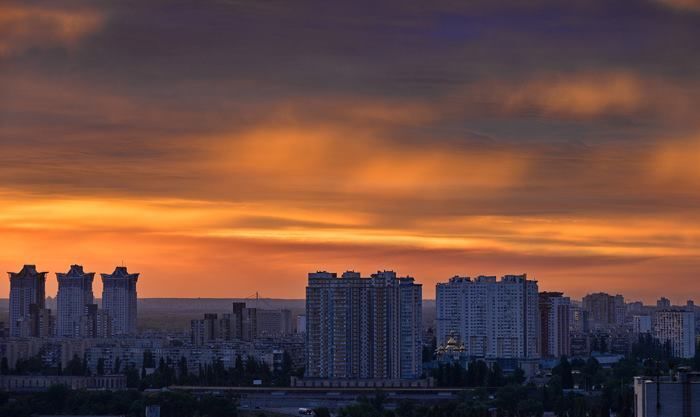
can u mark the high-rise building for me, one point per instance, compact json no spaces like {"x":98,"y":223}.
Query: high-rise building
{"x":363,"y":328}
{"x":604,"y":311}
{"x":27,"y":289}
{"x":74,"y":293}
{"x":554,"y":325}
{"x":676,"y":327}
{"x":492,"y":319}
{"x":206,"y":330}
{"x":675,"y":395}
{"x":301,"y":323}
{"x":641,"y":325}
{"x":119,"y":299}
{"x":95,"y":322}
{"x":578,"y":319}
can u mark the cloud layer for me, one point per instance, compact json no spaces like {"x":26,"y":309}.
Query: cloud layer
{"x":224,"y":148}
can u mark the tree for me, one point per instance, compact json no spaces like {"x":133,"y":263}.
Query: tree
{"x":564,"y":371}
{"x":74,"y":366}
{"x":4,"y":367}
{"x":495,"y":378}
{"x":101,"y":366}
{"x":117,"y":365}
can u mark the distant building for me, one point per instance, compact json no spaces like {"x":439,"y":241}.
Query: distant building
{"x":301,"y":323}
{"x":676,"y":327}
{"x":663,"y":303}
{"x":95,"y":322}
{"x":74,"y":293}
{"x":27,"y":289}
{"x":554,"y":324}
{"x":578,"y":320}
{"x":273,"y":323}
{"x":677,"y":396}
{"x":119,"y":300}
{"x":604,"y":311}
{"x":363,"y":328}
{"x":490,"y":318}
{"x":205,"y":330}
{"x":41,"y":322}
{"x":641,"y":325}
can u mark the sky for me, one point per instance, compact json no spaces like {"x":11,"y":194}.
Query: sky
{"x":222,"y":148}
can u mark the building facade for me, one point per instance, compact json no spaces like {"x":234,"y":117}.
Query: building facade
{"x":363,"y":328}
{"x":605,"y":311}
{"x":27,"y":298}
{"x":676,"y":327}
{"x":74,"y":294}
{"x":491,"y":319}
{"x":119,"y":298}
{"x":676,"y":396}
{"x":555,"y":340}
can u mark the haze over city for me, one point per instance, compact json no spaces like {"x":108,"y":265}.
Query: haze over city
{"x":223,"y":148}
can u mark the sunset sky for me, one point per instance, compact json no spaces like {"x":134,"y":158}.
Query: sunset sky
{"x":221,"y":148}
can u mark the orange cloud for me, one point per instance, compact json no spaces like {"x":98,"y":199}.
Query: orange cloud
{"x":588,"y":95}
{"x":691,"y":5}
{"x":23,"y":27}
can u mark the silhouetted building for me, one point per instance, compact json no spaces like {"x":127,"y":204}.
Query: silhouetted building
{"x":95,"y":322}
{"x":74,"y":293}
{"x":554,"y":324}
{"x":119,"y":300}
{"x":604,"y":311}
{"x":27,"y":289}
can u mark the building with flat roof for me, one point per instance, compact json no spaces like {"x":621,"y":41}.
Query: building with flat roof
{"x":676,"y":327}
{"x":363,"y":328}
{"x":490,"y":318}
{"x":665,"y":396}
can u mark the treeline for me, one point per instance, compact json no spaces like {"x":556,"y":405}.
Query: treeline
{"x":59,"y":400}
{"x":243,"y":373}
{"x":477,"y":374}
{"x":165,"y":373}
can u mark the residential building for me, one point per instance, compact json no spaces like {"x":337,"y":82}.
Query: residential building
{"x":490,"y":318}
{"x":667,"y":396}
{"x":27,"y":289}
{"x":676,"y":327}
{"x":604,"y":311}
{"x":554,"y":325}
{"x":663,"y":303}
{"x":205,"y":330}
{"x":74,"y":294}
{"x":363,"y":328}
{"x":641,"y":325}
{"x":95,"y":322}
{"x":119,"y":298}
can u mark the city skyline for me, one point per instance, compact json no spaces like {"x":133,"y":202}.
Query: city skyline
{"x":52,"y":288}
{"x":228,"y":147}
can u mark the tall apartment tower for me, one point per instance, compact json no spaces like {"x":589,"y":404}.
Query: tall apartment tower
{"x":119,"y":300}
{"x":555,"y":339}
{"x":363,"y":328}
{"x":27,"y":299}
{"x":493,"y":319}
{"x":604,"y":311}
{"x":676,"y":327}
{"x":74,"y":294}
